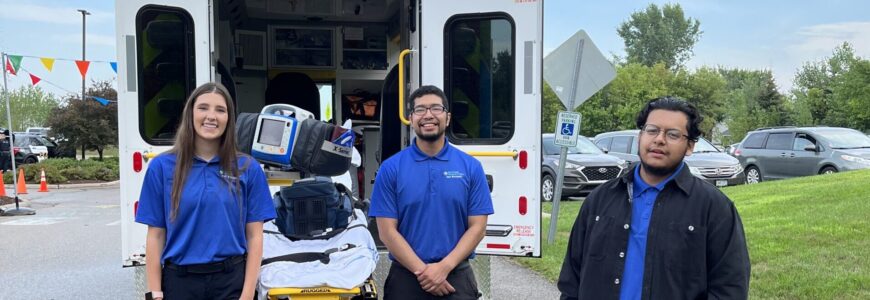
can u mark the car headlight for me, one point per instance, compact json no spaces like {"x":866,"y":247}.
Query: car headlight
{"x":622,"y":163}
{"x":695,"y":171}
{"x":568,"y":165}
{"x":738,"y":169}
{"x":855,"y":159}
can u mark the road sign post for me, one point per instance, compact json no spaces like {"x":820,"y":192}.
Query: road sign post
{"x":573,"y":86}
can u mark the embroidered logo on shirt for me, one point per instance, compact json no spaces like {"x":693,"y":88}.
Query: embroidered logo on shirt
{"x":228,"y":177}
{"x":453,"y":174}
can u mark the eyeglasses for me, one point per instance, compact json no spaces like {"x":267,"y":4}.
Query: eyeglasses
{"x":672,"y":135}
{"x":435,"y":109}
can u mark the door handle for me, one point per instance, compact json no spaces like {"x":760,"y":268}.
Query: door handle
{"x":782,"y":154}
{"x":791,"y":155}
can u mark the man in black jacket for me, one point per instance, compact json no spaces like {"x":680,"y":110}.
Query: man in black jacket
{"x":658,"y":232}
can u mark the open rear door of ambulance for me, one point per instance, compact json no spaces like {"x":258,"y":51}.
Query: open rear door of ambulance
{"x":486,"y":55}
{"x":163,"y":54}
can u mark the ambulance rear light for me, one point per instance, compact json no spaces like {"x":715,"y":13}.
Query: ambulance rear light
{"x":524,"y":159}
{"x":498,"y":246}
{"x":135,"y":208}
{"x":15,"y":150}
{"x":137,"y":161}
{"x":523,"y":205}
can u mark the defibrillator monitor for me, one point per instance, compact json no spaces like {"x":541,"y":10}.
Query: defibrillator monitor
{"x":274,"y":139}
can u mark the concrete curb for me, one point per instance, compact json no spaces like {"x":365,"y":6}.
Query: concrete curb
{"x":31,"y":188}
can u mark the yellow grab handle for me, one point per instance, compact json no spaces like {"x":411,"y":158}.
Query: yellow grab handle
{"x":512,"y":154}
{"x":402,"y":86}
{"x":150,"y":155}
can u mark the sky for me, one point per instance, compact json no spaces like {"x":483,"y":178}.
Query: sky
{"x":777,"y":35}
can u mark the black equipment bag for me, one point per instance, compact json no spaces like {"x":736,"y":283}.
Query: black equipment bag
{"x":246,"y":124}
{"x":313,"y":209}
{"x":321,"y":149}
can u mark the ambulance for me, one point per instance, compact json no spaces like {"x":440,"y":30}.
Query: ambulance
{"x":345,"y":60}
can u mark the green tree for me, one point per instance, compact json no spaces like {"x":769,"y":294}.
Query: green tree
{"x":705,"y":88}
{"x":616,"y":106}
{"x":661,"y":35}
{"x":549,"y":108}
{"x":87,"y":124}
{"x":817,"y":83}
{"x":752,"y":101}
{"x":852,"y":90}
{"x":30,"y":107}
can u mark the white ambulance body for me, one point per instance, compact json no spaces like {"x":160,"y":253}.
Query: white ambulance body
{"x":340,"y":59}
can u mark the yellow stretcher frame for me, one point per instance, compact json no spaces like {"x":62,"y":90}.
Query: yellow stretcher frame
{"x":367,"y":291}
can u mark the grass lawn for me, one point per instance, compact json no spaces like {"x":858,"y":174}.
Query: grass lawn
{"x":809,"y":237}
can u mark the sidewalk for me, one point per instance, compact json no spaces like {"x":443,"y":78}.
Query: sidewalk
{"x":512,"y":281}
{"x":34,"y":188}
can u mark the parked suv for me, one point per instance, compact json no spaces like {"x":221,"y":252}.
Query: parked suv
{"x":586,"y":167}
{"x":28,"y":148}
{"x":706,"y":161}
{"x":784,"y":152}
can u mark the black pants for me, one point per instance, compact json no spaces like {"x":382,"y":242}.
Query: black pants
{"x":180,"y":283}
{"x":402,"y":284}
{"x":5,"y":162}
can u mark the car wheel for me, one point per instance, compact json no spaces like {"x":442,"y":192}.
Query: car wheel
{"x":30,"y":160}
{"x":753,"y":175}
{"x":548,"y":189}
{"x":828,"y":170}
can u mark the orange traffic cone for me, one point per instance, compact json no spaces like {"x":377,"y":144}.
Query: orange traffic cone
{"x":2,"y":186}
{"x":43,"y":186}
{"x":22,"y":186}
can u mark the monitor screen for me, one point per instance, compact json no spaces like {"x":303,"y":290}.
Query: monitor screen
{"x":271,"y":132}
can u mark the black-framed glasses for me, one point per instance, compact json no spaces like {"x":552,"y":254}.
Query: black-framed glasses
{"x":435,"y":109}
{"x":672,"y":135}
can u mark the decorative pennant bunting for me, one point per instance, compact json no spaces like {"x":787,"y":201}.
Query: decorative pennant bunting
{"x":114,"y":66}
{"x":34,"y":79}
{"x":83,"y":67}
{"x":102,"y":101}
{"x":16,"y":62}
{"x":47,"y":62}
{"x":9,"y":68}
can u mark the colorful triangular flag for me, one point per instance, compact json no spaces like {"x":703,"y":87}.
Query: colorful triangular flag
{"x":47,"y":62}
{"x":83,"y":67}
{"x":102,"y":101}
{"x":114,"y":66}
{"x":16,"y":61}
{"x":9,"y":68}
{"x":34,"y":79}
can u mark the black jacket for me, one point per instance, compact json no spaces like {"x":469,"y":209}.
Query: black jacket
{"x":696,"y":248}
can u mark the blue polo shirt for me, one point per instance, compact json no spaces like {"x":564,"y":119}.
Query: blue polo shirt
{"x":431,"y":197}
{"x":210,"y":224}
{"x":644,"y":197}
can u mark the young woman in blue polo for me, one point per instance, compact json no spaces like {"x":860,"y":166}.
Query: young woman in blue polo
{"x":204,"y":204}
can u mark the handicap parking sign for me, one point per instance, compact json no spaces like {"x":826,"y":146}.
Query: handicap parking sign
{"x":566,"y":129}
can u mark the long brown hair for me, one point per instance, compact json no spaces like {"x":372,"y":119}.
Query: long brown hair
{"x":184,"y":148}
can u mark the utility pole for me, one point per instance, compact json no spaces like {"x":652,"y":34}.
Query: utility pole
{"x":84,"y":14}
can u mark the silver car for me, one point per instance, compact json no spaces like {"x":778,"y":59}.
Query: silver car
{"x":785,"y":152}
{"x":586,"y":168}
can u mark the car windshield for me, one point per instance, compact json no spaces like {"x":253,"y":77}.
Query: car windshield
{"x":845,"y":138}
{"x":703,"y":146}
{"x":46,"y":141}
{"x":584,"y":146}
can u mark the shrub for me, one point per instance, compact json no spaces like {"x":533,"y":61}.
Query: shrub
{"x":62,"y":170}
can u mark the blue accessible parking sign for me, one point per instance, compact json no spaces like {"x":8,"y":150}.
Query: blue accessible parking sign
{"x":566,"y":129}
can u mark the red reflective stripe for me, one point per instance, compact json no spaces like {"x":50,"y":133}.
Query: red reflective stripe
{"x":137,"y":161}
{"x":524,"y":205}
{"x":498,"y":246}
{"x":524,"y":159}
{"x":135,"y":208}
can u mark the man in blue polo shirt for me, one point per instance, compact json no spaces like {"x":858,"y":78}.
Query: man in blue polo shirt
{"x":433,"y":214}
